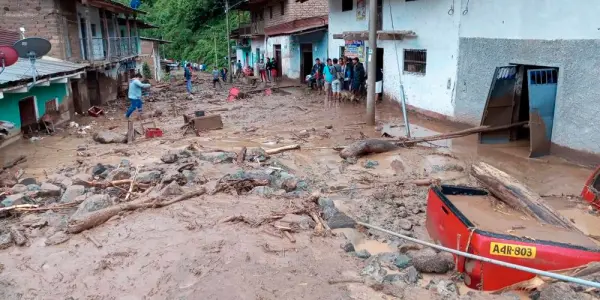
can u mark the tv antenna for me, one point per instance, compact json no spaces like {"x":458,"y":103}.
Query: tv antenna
{"x":8,"y":57}
{"x":32,"y":49}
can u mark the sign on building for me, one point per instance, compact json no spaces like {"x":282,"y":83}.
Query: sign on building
{"x":355,"y":48}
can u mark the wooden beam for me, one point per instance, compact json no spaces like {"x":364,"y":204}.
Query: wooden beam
{"x":60,"y":80}
{"x":107,"y":35}
{"x":17,"y":91}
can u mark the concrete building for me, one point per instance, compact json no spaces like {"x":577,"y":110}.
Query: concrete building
{"x":293,"y":33}
{"x":447,"y":56}
{"x":103,"y":34}
{"x":150,"y":54}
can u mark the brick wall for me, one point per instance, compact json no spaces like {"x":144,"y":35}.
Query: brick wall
{"x":40,"y":18}
{"x":293,"y":11}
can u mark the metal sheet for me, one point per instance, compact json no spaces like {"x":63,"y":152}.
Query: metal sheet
{"x":22,"y":71}
{"x":542,"y":98}
{"x":500,"y":104}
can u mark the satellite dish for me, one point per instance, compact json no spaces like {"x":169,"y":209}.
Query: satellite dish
{"x":8,"y":57}
{"x":32,"y":48}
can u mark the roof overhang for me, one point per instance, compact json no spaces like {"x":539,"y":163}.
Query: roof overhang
{"x":113,"y":6}
{"x":296,"y":26}
{"x":155,"y":40}
{"x":381,"y":35}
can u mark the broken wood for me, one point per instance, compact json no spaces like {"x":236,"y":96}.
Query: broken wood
{"x":92,"y":239}
{"x":131,"y":185}
{"x":365,"y":147}
{"x":241,"y":156}
{"x":98,"y":217}
{"x":520,"y":197}
{"x":289,"y":236}
{"x":282,"y":149}
{"x":349,"y":280}
{"x":130,"y":132}
{"x":105,"y":184}
{"x":17,"y":207}
{"x":14,"y":162}
{"x":241,"y":186}
{"x":460,"y":133}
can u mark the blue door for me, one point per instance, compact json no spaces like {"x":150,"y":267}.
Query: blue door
{"x":542,"y":97}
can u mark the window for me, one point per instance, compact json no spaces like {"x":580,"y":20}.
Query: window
{"x":270,"y":12}
{"x":51,"y":106}
{"x":415,"y":61}
{"x":282,"y":7}
{"x":347,"y":5}
{"x":94,"y":30}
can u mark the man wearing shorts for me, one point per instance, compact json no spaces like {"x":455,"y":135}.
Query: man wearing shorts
{"x":329,"y":72}
{"x":336,"y":84}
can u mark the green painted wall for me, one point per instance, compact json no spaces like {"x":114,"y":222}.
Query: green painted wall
{"x":9,"y":105}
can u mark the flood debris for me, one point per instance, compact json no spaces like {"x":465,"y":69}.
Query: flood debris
{"x":362,"y":148}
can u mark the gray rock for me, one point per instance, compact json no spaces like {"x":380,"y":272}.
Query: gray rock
{"x":402,"y":212}
{"x":370,"y":164}
{"x":52,"y":219}
{"x":71,"y":193}
{"x":28,"y":181}
{"x":118,"y":174}
{"x":364,"y":254}
{"x":439,"y":263}
{"x":33,"y":188}
{"x":109,"y":137}
{"x":18,"y":236}
{"x":402,"y":261}
{"x":172,"y":175}
{"x":189,"y":175}
{"x":93,"y":203}
{"x":302,"y":221}
{"x":149,"y":176}
{"x":410,"y":275}
{"x":218,"y":157}
{"x":252,"y":154}
{"x":295,"y":194}
{"x":98,"y":169}
{"x":18,"y":188}
{"x":289,"y":184}
{"x":340,"y":220}
{"x":57,"y":238}
{"x":405,"y":224}
{"x":172,"y":189}
{"x":6,"y":240}
{"x":15,"y":199}
{"x":558,"y":291}
{"x":374,"y":271}
{"x":264,"y":191}
{"x":60,"y":180}
{"x":113,"y":191}
{"x":125,"y":163}
{"x":169,"y":158}
{"x":184,"y":154}
{"x":325,"y":202}
{"x":445,"y":288}
{"x":49,"y":189}
{"x":347,"y":247}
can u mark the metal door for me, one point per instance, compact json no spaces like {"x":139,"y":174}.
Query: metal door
{"x":542,"y":97}
{"x":500,"y":105}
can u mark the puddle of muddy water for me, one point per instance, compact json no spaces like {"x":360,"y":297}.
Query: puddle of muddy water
{"x":360,"y":242}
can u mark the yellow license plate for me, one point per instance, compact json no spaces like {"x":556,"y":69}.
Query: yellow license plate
{"x":519,"y":251}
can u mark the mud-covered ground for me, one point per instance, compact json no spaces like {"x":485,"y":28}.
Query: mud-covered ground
{"x":186,"y":251}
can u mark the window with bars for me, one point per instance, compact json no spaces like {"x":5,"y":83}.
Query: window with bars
{"x":415,"y":61}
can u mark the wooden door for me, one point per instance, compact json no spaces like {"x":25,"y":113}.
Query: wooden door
{"x":27,"y":112}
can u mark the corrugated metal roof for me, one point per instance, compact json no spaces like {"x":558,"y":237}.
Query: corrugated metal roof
{"x":21,"y":71}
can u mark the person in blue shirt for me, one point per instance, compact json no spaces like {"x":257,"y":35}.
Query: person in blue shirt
{"x":187,"y":73}
{"x":329,"y":72}
{"x":216,"y":74}
{"x":135,"y":94}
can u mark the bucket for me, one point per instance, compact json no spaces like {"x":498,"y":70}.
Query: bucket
{"x":199,"y":113}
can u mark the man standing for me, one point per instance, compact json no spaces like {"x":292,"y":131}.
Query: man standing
{"x":338,"y":76}
{"x":273,"y":70}
{"x":215,"y":74}
{"x":269,"y":66}
{"x":187,"y":73}
{"x":329,"y":72}
{"x":317,"y":74}
{"x":238,"y":69}
{"x":135,"y":94}
{"x":359,"y":77}
{"x":261,"y":71}
{"x":348,"y":74}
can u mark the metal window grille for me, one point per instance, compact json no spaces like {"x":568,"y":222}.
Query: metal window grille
{"x":415,"y":61}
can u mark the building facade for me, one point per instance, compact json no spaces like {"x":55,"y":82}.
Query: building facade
{"x":293,"y":33}
{"x":150,"y":54}
{"x":443,"y":57}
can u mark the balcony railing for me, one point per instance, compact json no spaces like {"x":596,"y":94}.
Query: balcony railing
{"x":252,"y":28}
{"x":113,"y":48}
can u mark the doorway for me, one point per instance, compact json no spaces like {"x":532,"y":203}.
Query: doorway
{"x":277,"y":51}
{"x":28,"y":112}
{"x":76,"y":97}
{"x":306,"y":60}
{"x":522,"y":93}
{"x":342,"y":51}
{"x":83,"y":35}
{"x":379,"y":14}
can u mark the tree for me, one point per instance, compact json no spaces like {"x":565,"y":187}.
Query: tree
{"x":146,"y":71}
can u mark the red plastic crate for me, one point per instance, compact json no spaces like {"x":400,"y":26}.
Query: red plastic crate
{"x":153,"y":132}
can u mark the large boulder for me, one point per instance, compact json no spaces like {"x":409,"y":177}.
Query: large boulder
{"x":71,"y":193}
{"x":439,"y":263}
{"x":109,"y":137}
{"x":169,"y":158}
{"x":149,"y":176}
{"x":118,"y":174}
{"x":93,"y":203}
{"x":49,"y":189}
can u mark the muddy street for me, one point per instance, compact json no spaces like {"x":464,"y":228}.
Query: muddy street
{"x":267,"y":226}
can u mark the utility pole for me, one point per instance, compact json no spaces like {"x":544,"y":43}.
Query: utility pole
{"x":372,"y":58}
{"x":216,"y":59}
{"x":228,"y":41}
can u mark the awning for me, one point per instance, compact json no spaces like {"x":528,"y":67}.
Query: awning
{"x":381,"y":35}
{"x":155,"y":40}
{"x":296,"y":26}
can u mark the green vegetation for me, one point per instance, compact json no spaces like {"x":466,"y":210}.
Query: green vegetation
{"x":191,"y":26}
{"x":146,"y":72}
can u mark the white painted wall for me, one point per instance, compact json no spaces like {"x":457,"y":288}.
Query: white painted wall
{"x":343,"y":21}
{"x":254,"y":44}
{"x":286,"y":57}
{"x":437,"y":32}
{"x":531,"y":19}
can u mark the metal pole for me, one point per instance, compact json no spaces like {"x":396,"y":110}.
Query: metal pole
{"x":216,"y":59}
{"x":228,"y":41}
{"x":488,"y":260}
{"x":372,"y":60}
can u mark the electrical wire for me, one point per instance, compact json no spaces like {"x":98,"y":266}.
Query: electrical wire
{"x":404,"y":113}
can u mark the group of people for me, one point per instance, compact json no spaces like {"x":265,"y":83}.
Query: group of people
{"x":341,"y":74}
{"x":268,"y":71}
{"x":217,"y":74}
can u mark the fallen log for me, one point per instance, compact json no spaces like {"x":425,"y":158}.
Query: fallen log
{"x":282,"y":149}
{"x":105,"y":184}
{"x":517,"y":195}
{"x":365,"y":147}
{"x":98,"y":217}
{"x":460,"y":133}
